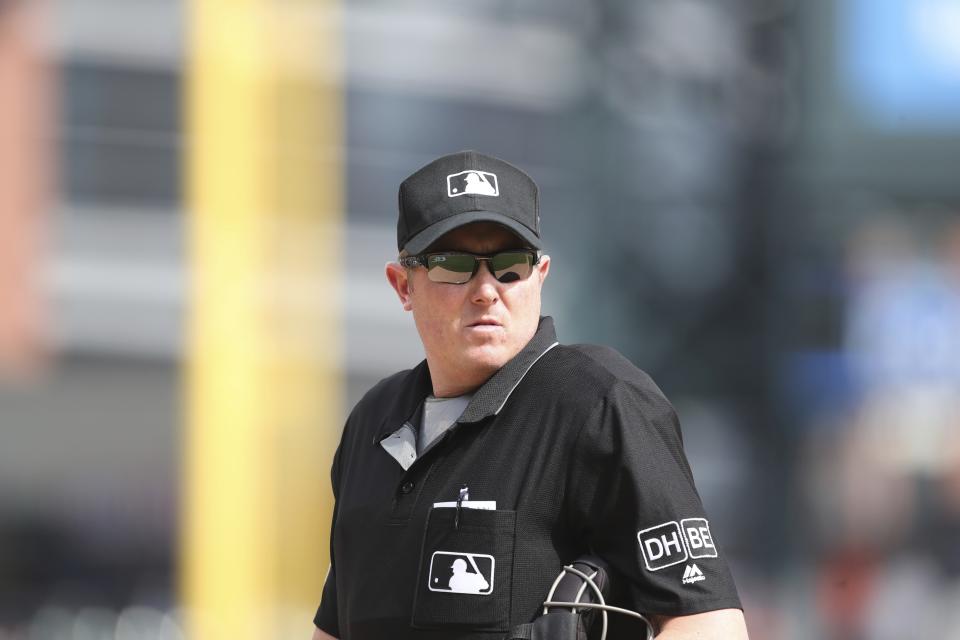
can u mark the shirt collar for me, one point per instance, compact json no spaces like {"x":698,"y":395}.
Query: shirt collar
{"x":489,"y":399}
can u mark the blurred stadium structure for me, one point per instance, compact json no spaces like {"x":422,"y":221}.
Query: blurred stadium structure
{"x":757,"y":201}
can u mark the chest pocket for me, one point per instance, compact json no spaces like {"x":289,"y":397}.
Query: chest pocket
{"x":466,"y":570}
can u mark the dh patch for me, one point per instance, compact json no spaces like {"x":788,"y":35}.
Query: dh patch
{"x":662,"y":546}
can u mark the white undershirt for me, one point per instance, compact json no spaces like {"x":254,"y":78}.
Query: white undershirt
{"x":439,"y":414}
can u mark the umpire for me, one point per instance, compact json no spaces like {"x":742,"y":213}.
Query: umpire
{"x":465,"y":484}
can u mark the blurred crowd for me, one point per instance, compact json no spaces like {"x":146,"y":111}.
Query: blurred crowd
{"x":881,"y":469}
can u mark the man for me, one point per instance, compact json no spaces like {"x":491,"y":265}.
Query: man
{"x":505,"y":451}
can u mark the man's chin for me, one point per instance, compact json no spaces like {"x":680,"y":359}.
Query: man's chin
{"x":487,"y":356}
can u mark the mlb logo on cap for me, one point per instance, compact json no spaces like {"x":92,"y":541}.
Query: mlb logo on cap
{"x":472,"y":182}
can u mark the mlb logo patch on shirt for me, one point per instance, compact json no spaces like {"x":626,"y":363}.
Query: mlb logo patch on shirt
{"x":455,"y":572}
{"x":472,"y":182}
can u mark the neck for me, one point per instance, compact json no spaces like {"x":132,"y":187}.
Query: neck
{"x":450,"y":384}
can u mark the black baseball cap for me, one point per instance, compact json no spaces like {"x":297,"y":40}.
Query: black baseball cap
{"x":466,"y":187}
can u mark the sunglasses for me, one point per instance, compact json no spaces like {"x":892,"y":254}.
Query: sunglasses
{"x":454,"y":267}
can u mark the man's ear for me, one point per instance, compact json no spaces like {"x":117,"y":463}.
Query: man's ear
{"x":543,"y":267}
{"x":399,"y":279}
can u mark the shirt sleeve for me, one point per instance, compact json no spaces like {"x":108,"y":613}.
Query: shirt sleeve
{"x":631,"y":498}
{"x":326,"y":617}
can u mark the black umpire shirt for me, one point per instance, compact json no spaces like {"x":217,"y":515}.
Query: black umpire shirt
{"x":565,"y":450}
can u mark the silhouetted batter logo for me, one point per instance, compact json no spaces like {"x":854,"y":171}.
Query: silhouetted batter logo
{"x":472,"y":182}
{"x":461,"y":572}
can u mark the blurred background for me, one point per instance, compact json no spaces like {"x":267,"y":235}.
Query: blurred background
{"x":755,"y":200}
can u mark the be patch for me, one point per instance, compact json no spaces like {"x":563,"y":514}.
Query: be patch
{"x":699,"y":541}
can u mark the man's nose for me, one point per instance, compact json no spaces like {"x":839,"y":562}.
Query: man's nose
{"x":484,"y":285}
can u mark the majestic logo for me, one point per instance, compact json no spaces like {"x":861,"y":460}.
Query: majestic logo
{"x":692,"y":574}
{"x":671,"y":543}
{"x":453,"y":572}
{"x":472,"y":182}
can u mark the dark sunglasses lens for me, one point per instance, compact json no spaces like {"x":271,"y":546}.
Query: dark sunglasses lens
{"x":451,"y":268}
{"x":512,"y":266}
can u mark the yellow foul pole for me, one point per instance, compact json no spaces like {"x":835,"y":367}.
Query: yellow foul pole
{"x":263,"y":384}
